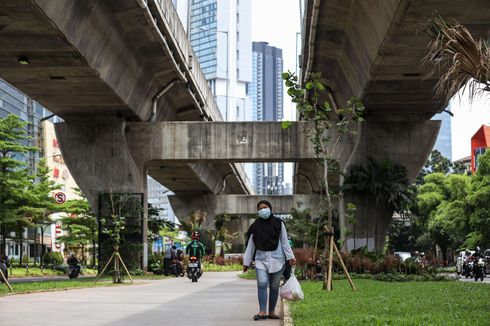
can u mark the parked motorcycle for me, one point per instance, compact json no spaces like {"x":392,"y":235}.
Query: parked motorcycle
{"x":479,"y":269}
{"x":73,"y":271}
{"x":194,"y":271}
{"x":176,"y":268}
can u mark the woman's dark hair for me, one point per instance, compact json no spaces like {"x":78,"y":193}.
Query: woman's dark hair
{"x":264,"y":202}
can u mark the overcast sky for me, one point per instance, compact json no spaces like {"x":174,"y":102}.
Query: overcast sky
{"x":277,"y":22}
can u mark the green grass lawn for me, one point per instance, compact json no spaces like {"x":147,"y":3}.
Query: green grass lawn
{"x":249,"y":275}
{"x":221,"y":268}
{"x":36,"y":271}
{"x":56,"y":285}
{"x":393,"y":303}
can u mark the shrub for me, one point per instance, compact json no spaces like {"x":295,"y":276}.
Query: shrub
{"x":48,"y":258}
{"x":58,"y":258}
{"x":218,"y":260}
{"x":135,"y":271}
{"x":155,"y":263}
{"x":303,"y":256}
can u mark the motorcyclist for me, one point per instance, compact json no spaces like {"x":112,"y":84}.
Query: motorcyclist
{"x":195,"y":248}
{"x":477,"y":252}
{"x":174,"y":263}
{"x":74,"y":262}
{"x":416,"y":257}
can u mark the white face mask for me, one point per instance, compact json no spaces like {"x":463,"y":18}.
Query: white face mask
{"x":264,"y":213}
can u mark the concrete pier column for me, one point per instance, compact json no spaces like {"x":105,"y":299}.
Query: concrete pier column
{"x":96,"y":152}
{"x":408,"y":143}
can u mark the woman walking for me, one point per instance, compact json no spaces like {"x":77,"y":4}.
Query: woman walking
{"x":268,"y":245}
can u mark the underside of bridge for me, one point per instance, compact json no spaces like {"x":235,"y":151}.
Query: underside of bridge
{"x":100,"y":65}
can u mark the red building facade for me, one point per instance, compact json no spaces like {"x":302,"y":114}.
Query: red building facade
{"x":479,"y":143}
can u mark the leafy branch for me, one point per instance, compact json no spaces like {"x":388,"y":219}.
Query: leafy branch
{"x":330,"y":123}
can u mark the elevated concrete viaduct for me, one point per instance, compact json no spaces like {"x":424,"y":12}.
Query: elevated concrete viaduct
{"x":373,"y":50}
{"x":100,"y":64}
{"x":118,"y":71}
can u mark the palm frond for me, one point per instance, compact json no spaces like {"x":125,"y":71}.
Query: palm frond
{"x":460,"y":60}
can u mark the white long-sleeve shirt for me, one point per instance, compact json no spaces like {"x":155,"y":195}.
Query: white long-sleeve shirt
{"x":272,"y":261}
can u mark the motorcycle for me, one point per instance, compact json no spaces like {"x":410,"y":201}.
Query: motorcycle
{"x":73,"y":271}
{"x":479,"y":269}
{"x":194,"y":271}
{"x":468,"y":268}
{"x":176,"y":268}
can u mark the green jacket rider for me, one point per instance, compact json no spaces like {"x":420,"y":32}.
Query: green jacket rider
{"x":195,"y":248}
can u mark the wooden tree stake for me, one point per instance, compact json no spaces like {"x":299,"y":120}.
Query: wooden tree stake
{"x":6,"y":281}
{"x":117,"y":260}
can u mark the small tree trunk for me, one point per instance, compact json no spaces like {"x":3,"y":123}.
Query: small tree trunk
{"x":35,"y":247}
{"x":94,"y":252}
{"x":21,"y":245}
{"x":83,"y":254}
{"x":42,"y":246}
{"x":3,"y":245}
{"x":444,"y":255}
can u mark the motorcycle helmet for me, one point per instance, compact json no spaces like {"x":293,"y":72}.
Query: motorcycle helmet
{"x":195,"y":235}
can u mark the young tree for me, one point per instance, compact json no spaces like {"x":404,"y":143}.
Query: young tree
{"x":301,"y":226}
{"x":82,"y":225}
{"x":329,"y":124}
{"x":42,"y":204}
{"x":442,"y":209}
{"x":479,"y":205}
{"x":157,"y":225}
{"x":14,"y":178}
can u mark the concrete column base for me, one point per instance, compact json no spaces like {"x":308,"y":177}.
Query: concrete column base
{"x":408,"y":143}
{"x":97,"y":155}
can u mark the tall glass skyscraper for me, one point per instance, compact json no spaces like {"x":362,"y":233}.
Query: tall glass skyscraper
{"x":444,"y":139}
{"x":266,"y":92}
{"x":220,"y":34}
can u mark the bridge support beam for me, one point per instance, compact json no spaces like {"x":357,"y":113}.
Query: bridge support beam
{"x":183,"y":205}
{"x":220,"y":141}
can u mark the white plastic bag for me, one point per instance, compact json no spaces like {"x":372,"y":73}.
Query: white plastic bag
{"x":291,"y":290}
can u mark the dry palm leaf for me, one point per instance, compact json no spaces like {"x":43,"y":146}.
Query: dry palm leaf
{"x":461,"y":60}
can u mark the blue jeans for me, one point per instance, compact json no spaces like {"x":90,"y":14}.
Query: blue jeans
{"x":271,"y":280}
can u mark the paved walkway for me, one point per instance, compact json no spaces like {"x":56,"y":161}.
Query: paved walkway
{"x":217,"y":299}
{"x":472,"y":280}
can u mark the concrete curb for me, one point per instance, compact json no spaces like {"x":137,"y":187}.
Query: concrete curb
{"x":287,"y":320}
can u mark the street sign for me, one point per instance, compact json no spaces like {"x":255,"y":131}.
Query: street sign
{"x":59,"y":197}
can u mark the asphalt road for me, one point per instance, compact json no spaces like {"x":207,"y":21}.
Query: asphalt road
{"x":217,"y":299}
